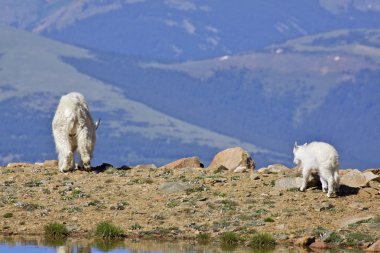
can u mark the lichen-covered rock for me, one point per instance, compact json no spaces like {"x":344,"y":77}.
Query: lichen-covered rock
{"x":188,"y":162}
{"x":233,"y":159}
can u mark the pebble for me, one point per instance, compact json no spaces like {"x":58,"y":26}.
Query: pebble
{"x":323,"y":206}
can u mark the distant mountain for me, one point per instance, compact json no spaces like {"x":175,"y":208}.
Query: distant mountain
{"x":32,"y":78}
{"x":322,"y":87}
{"x":174,"y":78}
{"x":185,"y":29}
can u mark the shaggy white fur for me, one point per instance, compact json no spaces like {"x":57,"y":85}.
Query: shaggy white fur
{"x":73,"y":130}
{"x":323,"y":157}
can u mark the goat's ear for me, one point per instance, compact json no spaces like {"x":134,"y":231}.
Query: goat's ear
{"x":295,"y":146}
{"x":97,"y":124}
{"x":305,"y":144}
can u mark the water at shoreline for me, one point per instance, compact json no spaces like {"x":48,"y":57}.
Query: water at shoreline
{"x":40,"y":244}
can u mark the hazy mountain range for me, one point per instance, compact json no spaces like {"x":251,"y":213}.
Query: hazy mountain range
{"x":178,"y":78}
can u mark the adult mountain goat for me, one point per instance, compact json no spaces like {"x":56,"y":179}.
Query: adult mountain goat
{"x":74,"y":130}
{"x":323,"y":157}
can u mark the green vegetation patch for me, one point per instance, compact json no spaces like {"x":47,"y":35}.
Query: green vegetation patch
{"x":203,"y":237}
{"x":357,"y":224}
{"x":375,"y":222}
{"x":257,"y":213}
{"x":356,"y":239}
{"x":120,"y":206}
{"x":7,"y":171}
{"x":172,"y":204}
{"x":334,"y":238}
{"x":9,"y":183}
{"x":28,"y":206}
{"x":229,"y":238}
{"x":201,"y":188}
{"x":135,"y":226}
{"x":33,"y":183}
{"x":108,"y":230}
{"x":262,"y":240}
{"x":56,"y":230}
{"x":227,"y":204}
{"x":319,"y":231}
{"x":269,"y":219}
{"x":141,"y":181}
{"x":8,"y":215}
{"x":72,"y":209}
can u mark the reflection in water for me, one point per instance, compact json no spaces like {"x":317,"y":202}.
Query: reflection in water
{"x":80,"y":248}
{"x":88,"y":245}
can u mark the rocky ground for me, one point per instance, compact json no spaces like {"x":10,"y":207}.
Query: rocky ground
{"x":173,"y":202}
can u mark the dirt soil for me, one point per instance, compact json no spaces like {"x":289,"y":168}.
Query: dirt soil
{"x":179,"y":203}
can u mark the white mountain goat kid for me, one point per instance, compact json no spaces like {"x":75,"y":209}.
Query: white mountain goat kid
{"x":322,"y":157}
{"x":74,"y":130}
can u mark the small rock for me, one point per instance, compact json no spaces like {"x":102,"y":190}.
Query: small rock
{"x":305,"y":241}
{"x":234,"y":159}
{"x":322,"y":206}
{"x":215,"y":180}
{"x":240,"y":169}
{"x":174,"y":187}
{"x":326,"y":236}
{"x":282,"y":237}
{"x":280,"y":227}
{"x":275,"y":193}
{"x":254,"y":176}
{"x":319,"y":245}
{"x":189,"y":162}
{"x":275,"y":168}
{"x":286,"y":183}
{"x":374,"y":247}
